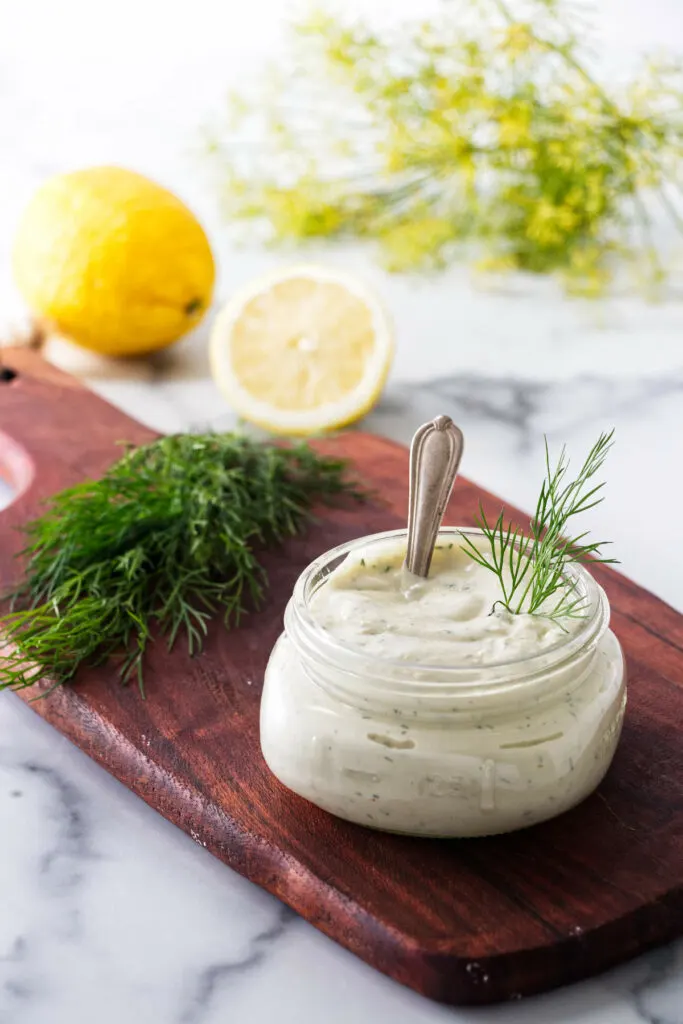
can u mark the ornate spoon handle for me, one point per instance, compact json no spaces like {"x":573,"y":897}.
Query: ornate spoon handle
{"x":435,"y":455}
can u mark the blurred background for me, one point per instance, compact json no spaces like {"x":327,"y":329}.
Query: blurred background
{"x":510,"y":356}
{"x":143,"y":85}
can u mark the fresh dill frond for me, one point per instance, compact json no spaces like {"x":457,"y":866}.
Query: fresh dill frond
{"x":532,"y":568}
{"x":168,"y":538}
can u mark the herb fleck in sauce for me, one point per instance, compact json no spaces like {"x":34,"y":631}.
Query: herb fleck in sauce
{"x":425,"y":717}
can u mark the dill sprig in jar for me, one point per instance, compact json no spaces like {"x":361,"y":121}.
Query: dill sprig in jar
{"x":432,"y":716}
{"x":451,"y":682}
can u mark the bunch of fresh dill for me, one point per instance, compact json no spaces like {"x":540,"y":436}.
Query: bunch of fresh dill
{"x":483,"y":130}
{"x":532,"y":568}
{"x":169,"y":536}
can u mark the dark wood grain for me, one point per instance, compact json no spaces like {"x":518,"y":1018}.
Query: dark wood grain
{"x":471,"y":921}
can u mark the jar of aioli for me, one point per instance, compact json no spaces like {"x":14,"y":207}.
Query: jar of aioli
{"x":427,"y":709}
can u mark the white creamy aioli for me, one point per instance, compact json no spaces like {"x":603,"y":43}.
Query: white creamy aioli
{"x":423,"y":706}
{"x":451,"y":618}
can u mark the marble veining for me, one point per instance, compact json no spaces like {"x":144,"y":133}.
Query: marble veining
{"x":61,"y":866}
{"x":657,"y":997}
{"x":216,"y":976}
{"x":109,"y":914}
{"x":528,"y":408}
{"x":653,"y":985}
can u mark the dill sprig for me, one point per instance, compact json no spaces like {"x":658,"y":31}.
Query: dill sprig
{"x":532,"y":568}
{"x":480,"y":131}
{"x":169,"y":537}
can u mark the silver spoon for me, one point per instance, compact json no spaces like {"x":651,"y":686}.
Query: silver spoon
{"x":435,"y":454}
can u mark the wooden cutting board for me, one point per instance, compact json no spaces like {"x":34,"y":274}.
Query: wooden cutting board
{"x":470,"y":921}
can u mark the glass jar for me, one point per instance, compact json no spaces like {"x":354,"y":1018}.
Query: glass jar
{"x":431,"y":750}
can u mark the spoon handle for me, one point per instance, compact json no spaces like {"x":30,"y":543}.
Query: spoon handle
{"x":435,"y":455}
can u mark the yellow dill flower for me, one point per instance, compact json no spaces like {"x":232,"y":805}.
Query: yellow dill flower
{"x":301,"y":215}
{"x":514,"y":128}
{"x":518,"y":39}
{"x":482,"y":124}
{"x":549,"y":224}
{"x":416,"y":243}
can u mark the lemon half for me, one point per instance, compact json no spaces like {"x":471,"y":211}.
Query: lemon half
{"x":303,"y":350}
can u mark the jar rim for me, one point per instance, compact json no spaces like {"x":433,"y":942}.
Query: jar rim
{"x":588,"y":633}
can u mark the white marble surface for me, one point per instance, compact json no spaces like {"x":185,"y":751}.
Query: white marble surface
{"x":108,"y":913}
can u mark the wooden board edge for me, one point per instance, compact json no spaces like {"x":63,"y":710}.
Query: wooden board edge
{"x":434,"y":971}
{"x":27,"y":361}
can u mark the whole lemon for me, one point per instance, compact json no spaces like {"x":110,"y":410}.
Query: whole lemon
{"x":114,"y":261}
